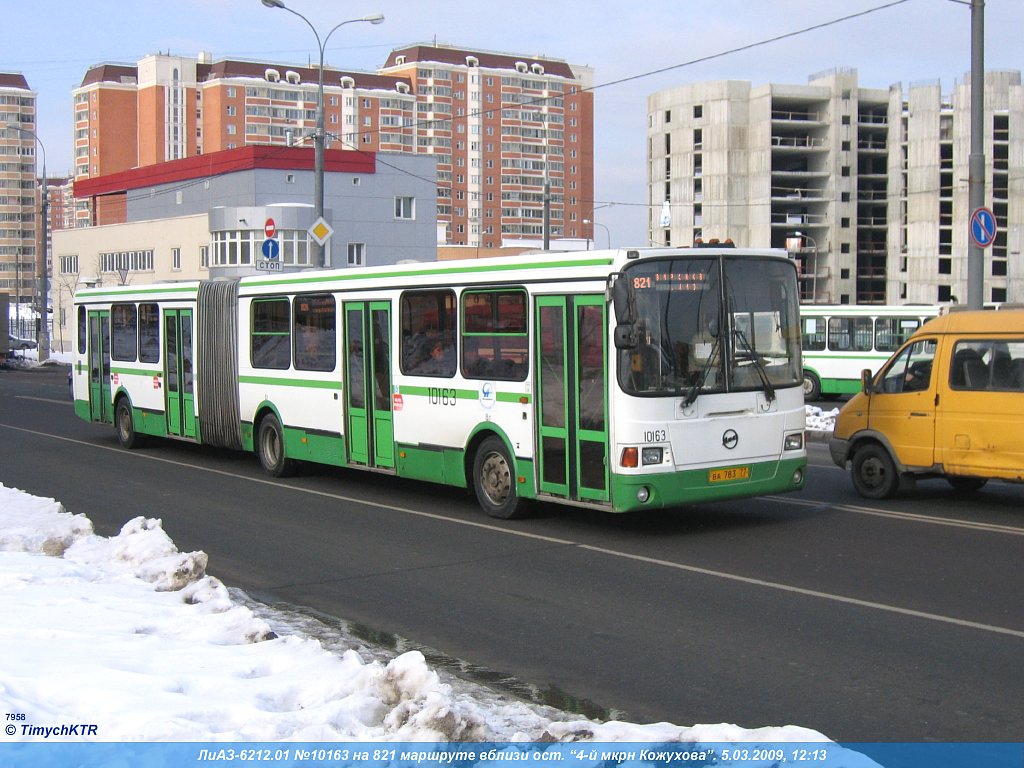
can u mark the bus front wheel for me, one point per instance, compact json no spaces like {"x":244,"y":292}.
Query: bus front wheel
{"x":270,"y":447}
{"x":494,"y":481}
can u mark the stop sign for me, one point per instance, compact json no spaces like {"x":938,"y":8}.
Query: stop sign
{"x":270,"y":228}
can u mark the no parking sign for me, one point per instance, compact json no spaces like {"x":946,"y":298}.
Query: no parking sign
{"x":983,"y":227}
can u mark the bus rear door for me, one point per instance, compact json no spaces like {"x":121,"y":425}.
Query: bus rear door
{"x":572,"y":403}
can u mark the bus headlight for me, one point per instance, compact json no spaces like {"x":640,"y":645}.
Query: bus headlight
{"x":652,"y":455}
{"x":794,"y":442}
{"x":643,"y":493}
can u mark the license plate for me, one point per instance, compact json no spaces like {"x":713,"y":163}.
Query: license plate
{"x":726,"y":474}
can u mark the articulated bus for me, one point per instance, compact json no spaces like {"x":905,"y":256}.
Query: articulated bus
{"x":840,"y":341}
{"x":618,"y":380}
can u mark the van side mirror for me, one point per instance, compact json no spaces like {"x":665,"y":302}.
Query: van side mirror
{"x":866,"y":381}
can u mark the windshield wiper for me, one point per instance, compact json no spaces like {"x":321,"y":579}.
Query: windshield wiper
{"x":698,"y":384}
{"x":769,"y":390}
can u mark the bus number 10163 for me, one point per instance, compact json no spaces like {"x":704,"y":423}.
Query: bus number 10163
{"x":441,"y":395}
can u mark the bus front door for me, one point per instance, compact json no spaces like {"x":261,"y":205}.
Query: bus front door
{"x":369,"y":423}
{"x":179,"y":398}
{"x":99,"y":366}
{"x":572,"y":401}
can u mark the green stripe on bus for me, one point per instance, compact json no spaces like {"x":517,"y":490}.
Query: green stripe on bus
{"x":138,"y":371}
{"x":455,"y":270}
{"x":283,"y":382}
{"x":129,"y":290}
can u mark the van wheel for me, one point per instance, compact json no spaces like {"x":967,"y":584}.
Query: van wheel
{"x":270,"y":447}
{"x":494,"y":481}
{"x":812,"y":386}
{"x":967,"y":483}
{"x":874,"y":473}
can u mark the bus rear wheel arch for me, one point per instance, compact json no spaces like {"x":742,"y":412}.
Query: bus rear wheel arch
{"x":270,"y":447}
{"x":494,"y":480}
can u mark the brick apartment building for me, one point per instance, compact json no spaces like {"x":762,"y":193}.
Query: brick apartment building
{"x":501,"y":126}
{"x":18,"y":196}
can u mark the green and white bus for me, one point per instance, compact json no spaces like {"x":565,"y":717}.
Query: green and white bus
{"x":619,"y":380}
{"x":839,"y":341}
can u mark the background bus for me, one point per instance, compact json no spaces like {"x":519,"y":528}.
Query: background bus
{"x":513,"y":377}
{"x":839,"y":341}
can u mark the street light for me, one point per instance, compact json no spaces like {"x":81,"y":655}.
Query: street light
{"x":814,"y":274}
{"x":43,"y":334}
{"x":606,"y":230}
{"x":320,"y":135}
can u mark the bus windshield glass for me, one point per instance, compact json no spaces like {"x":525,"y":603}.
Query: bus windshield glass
{"x":705,"y":325}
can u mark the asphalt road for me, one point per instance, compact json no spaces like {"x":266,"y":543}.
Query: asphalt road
{"x":895,"y":621}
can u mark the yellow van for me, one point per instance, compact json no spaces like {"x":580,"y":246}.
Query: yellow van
{"x":948,"y":403}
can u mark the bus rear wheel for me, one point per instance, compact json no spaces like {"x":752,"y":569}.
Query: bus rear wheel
{"x":494,"y":481}
{"x":270,"y":447}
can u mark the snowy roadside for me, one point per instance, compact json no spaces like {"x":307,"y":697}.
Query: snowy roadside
{"x":131,"y":635}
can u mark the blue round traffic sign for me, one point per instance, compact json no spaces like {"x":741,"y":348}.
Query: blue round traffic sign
{"x":983,"y":227}
{"x":271,"y":249}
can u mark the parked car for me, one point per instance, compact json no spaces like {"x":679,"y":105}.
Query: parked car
{"x":19,"y":343}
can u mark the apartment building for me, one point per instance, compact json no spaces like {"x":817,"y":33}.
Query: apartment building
{"x":18,"y":195}
{"x":501,"y":126}
{"x":508,"y":131}
{"x":866,"y":187}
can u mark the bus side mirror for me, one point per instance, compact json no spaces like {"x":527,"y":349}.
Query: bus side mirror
{"x":866,"y":381}
{"x":622,"y":300}
{"x":626,"y":336}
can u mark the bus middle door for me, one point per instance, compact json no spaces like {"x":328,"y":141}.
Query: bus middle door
{"x":369,"y":423}
{"x":99,"y":366}
{"x":572,"y":403}
{"x":179,"y":398}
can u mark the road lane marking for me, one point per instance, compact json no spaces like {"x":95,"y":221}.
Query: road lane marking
{"x":724,"y":575}
{"x":809,"y":592}
{"x":912,"y":517}
{"x":43,"y":399}
{"x":289,"y":486}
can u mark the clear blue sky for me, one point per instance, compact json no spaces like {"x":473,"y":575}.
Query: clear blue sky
{"x":53,"y":43}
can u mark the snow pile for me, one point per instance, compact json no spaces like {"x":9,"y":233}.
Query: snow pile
{"x":32,"y":524}
{"x":132,"y":635}
{"x":819,"y":420}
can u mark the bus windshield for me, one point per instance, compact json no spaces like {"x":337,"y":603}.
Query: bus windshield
{"x":715,"y":324}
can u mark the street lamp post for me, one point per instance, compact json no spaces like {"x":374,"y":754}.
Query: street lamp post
{"x":607,"y":231}
{"x":43,"y":333}
{"x":594,"y":223}
{"x":319,"y":138}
